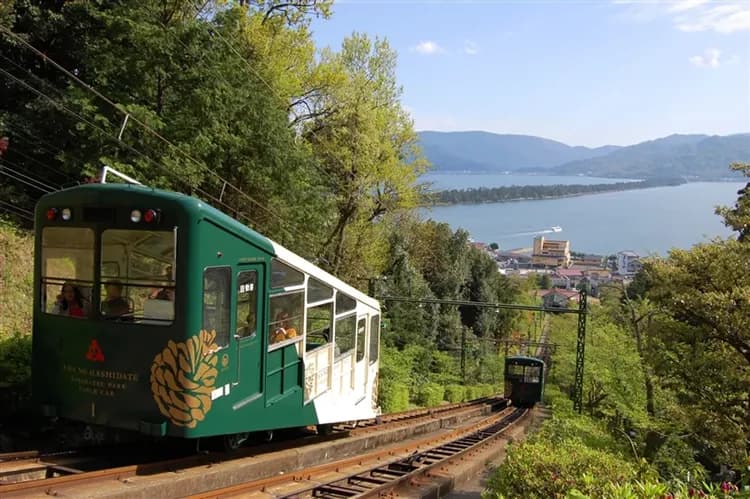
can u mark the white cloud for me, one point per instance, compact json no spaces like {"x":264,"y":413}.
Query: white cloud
{"x":721,"y":18}
{"x":428,"y":47}
{"x":709,"y":59}
{"x":691,"y":15}
{"x":684,"y":5}
{"x":470,"y":47}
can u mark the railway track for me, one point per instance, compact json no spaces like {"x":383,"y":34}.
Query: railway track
{"x":374,"y":474}
{"x":33,"y":465}
{"x":51,"y":477}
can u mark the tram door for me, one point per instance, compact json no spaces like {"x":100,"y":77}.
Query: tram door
{"x":360,"y":365}
{"x":249,"y":337}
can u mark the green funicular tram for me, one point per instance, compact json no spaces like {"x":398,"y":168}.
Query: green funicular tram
{"x":524,"y":380}
{"x":156,"y":313}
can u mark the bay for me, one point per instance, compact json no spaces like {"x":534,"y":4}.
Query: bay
{"x":648,"y":221}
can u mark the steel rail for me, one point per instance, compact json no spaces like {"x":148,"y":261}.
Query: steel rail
{"x":437,"y":445}
{"x":54,"y":485}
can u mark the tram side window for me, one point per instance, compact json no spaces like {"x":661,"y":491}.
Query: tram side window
{"x":361,"y":339}
{"x":319,"y":322}
{"x":344,"y":337}
{"x":317,"y":291}
{"x":67,"y":271}
{"x":374,"y":338}
{"x":217,"y":302}
{"x":344,"y":303}
{"x":284,"y":276}
{"x":286,"y":311}
{"x":247,"y":303}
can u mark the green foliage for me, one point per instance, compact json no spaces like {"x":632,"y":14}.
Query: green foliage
{"x":16,"y":276}
{"x":430,"y":395}
{"x":15,"y":360}
{"x":538,"y":469}
{"x":455,"y":393}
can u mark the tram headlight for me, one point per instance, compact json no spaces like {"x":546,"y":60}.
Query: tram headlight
{"x":66,"y":214}
{"x":135,"y":216}
{"x":51,"y":213}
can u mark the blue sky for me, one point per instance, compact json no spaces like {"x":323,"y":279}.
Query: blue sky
{"x":584,"y":73}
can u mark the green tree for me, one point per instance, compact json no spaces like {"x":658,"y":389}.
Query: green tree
{"x":367,"y":150}
{"x":704,"y":292}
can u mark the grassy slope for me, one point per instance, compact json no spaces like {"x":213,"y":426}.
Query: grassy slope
{"x":16,"y":272}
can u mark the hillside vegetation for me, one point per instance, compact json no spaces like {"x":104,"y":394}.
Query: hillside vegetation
{"x":16,"y":274}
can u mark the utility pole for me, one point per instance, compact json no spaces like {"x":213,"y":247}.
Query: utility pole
{"x":463,"y":353}
{"x":580,"y":347}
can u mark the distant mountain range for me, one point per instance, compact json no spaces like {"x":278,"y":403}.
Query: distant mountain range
{"x":692,"y":156}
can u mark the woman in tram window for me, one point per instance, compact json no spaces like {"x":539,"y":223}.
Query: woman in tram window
{"x":70,"y":302}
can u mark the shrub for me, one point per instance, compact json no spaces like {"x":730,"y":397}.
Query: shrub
{"x":430,"y":395}
{"x":538,"y":469}
{"x":455,"y":393}
{"x":393,"y":397}
{"x":15,"y":360}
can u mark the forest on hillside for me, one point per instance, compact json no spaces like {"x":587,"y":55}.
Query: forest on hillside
{"x":524,"y":192}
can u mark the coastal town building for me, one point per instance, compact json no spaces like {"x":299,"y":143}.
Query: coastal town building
{"x":550,"y":253}
{"x":588,"y":260}
{"x":628,"y":263}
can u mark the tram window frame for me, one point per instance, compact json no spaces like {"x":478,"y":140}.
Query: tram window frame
{"x":295,"y":318}
{"x":51,"y":285}
{"x":146,"y":276}
{"x":318,"y":291}
{"x":317,"y":324}
{"x":247,"y":307}
{"x":339,"y":340}
{"x":344,"y":303}
{"x":284,"y":276}
{"x":515,"y":370}
{"x":532,"y":374}
{"x":359,"y":342}
{"x":223,"y":307}
{"x":374,"y":348}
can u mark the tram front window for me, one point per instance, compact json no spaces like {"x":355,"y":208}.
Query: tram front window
{"x":137,"y":276}
{"x":67,"y":271}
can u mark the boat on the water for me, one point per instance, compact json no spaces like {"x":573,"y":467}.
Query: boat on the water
{"x":556,"y":228}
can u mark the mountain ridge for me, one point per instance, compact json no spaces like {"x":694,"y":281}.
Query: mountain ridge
{"x":697,"y":156}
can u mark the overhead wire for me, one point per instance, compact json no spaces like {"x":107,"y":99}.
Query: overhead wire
{"x":20,"y":177}
{"x":129,"y":147}
{"x":153,"y":132}
{"x":50,"y":148}
{"x":43,"y":165}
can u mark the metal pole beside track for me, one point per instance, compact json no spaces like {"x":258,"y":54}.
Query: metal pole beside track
{"x":580,"y":347}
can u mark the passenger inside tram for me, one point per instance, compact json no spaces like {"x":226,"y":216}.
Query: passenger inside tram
{"x":70,"y":302}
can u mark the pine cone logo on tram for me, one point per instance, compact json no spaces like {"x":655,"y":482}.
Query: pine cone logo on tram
{"x":182,"y":378}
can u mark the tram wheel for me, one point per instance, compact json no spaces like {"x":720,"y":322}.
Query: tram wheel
{"x":234,"y":441}
{"x":325,"y":429}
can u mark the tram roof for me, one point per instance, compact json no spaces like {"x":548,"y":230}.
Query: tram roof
{"x":120,"y":193}
{"x":524,"y":359}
